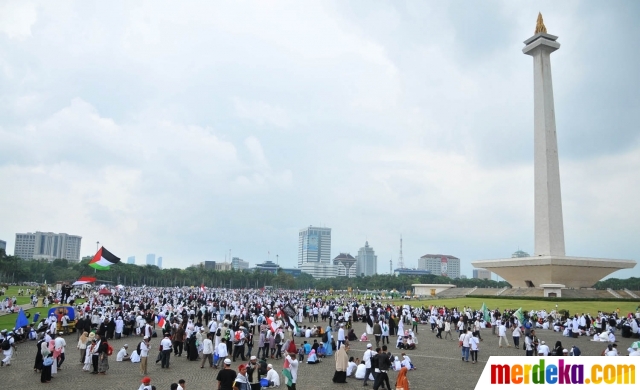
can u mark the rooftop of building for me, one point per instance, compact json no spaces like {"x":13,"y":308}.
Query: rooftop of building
{"x":440,"y":256}
{"x":344,"y":256}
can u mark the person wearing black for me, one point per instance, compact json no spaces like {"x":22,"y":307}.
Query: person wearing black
{"x":253,"y":373}
{"x":384,"y":362}
{"x":226,"y":376}
{"x":38,"y":364}
{"x":192,"y":350}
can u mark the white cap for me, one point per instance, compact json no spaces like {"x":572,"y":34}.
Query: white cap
{"x":227,"y":362}
{"x":369,"y":345}
{"x":542,"y":342}
{"x":253,"y":358}
{"x":269,"y":365}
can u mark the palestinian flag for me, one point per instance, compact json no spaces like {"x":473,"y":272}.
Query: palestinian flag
{"x":103,"y":259}
{"x":294,"y":325}
{"x":84,"y":280}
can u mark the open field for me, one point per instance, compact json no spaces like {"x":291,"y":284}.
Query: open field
{"x":13,"y":291}
{"x":572,"y":306}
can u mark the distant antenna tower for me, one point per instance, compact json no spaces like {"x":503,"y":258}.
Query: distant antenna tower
{"x":400,"y":259}
{"x":391,"y":267}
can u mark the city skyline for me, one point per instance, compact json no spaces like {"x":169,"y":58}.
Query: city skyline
{"x":377,"y":121}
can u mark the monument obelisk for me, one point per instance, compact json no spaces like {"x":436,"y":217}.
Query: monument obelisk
{"x":549,"y":229}
{"x":549,"y":268}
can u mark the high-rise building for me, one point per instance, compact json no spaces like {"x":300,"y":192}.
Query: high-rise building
{"x":238,"y":263}
{"x":444,"y":265}
{"x":151,"y":259}
{"x":367,"y":264}
{"x":47,"y":246}
{"x":3,"y":245}
{"x":131,"y":260}
{"x":314,"y":252}
{"x":345,"y":265}
{"x":159,"y":262}
{"x":479,"y":273}
{"x":208,"y":264}
{"x":314,"y":245}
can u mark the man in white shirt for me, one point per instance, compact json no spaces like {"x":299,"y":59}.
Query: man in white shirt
{"x":144,"y":353}
{"x":361,"y":371}
{"x":123,"y":355}
{"x":207,"y":351}
{"x":340,"y":337}
{"x":293,"y":367}
{"x":166,"y":350}
{"x":307,"y":333}
{"x":351,"y":367}
{"x":543,"y":349}
{"x":272,"y":376}
{"x":502,"y":334}
{"x":366,"y":358}
{"x":9,"y":352}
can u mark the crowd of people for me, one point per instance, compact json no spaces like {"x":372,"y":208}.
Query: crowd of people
{"x":256,"y":328}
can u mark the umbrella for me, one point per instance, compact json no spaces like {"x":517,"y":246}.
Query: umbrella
{"x":635,"y":344}
{"x":21,"y":320}
{"x":104,"y":291}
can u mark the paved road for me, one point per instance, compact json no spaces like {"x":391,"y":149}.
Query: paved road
{"x":438,"y":366}
{"x":24,"y":307}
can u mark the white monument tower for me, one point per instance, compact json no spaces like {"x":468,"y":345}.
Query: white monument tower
{"x":549,"y":230}
{"x":549,"y":267}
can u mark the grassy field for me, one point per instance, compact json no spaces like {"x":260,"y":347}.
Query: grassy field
{"x":591,"y":307}
{"x":13,"y":291}
{"x":9,"y":321}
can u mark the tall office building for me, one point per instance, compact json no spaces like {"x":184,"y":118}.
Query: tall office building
{"x":367,"y":261}
{"x":47,"y":246}
{"x":314,"y":252}
{"x":3,"y":245}
{"x":314,"y":245}
{"x":151,"y":259}
{"x":444,"y":265}
{"x":131,"y":260}
{"x":159,"y":262}
{"x":239,"y":264}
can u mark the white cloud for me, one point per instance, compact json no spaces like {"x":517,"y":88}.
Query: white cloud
{"x":17,"y":18}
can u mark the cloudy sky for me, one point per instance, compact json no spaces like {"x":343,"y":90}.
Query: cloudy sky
{"x":191,"y":130}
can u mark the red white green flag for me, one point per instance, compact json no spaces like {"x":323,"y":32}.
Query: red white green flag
{"x":103,"y":259}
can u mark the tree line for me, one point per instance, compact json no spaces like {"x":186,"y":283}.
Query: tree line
{"x":16,"y":270}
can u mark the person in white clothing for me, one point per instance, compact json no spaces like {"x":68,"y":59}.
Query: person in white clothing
{"x":9,"y":352}
{"x":207,"y":351}
{"x":221,"y":349}
{"x":60,"y":345}
{"x":123,"y":354}
{"x":144,"y":354}
{"x":340,"y":337}
{"x":272,"y":376}
{"x":502,"y":334}
{"x":351,"y":367}
{"x":543,"y":349}
{"x":293,"y":368}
